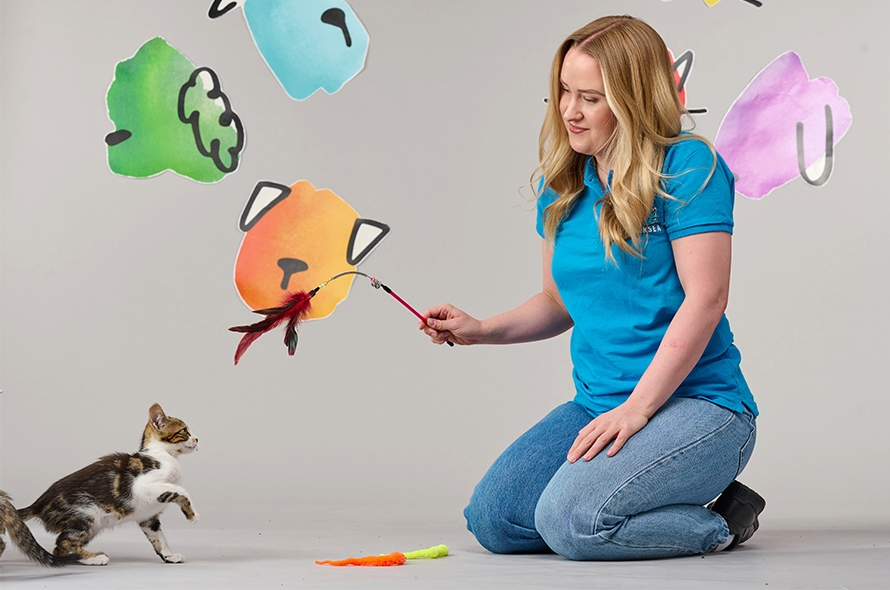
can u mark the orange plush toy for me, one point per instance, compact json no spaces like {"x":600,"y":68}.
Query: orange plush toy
{"x":394,"y":558}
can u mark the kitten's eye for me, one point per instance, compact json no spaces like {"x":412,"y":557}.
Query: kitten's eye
{"x":180,"y":436}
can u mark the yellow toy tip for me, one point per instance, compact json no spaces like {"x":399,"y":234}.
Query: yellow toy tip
{"x":431,"y":553}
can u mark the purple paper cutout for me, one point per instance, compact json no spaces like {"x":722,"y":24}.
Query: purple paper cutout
{"x":758,"y":135}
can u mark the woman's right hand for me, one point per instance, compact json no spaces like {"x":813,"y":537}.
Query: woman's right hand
{"x":446,"y":323}
{"x":542,"y":316}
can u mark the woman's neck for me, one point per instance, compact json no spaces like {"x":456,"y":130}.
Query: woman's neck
{"x":602,"y":170}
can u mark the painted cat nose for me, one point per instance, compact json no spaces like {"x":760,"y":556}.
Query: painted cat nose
{"x":290,"y":267}
{"x":337,"y":18}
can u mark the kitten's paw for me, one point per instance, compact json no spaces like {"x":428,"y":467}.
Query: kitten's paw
{"x":195,"y":517}
{"x":98,"y":559}
{"x":173,"y":558}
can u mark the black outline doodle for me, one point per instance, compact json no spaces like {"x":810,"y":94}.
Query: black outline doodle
{"x":337,"y":18}
{"x":216,"y":12}
{"x":117,"y":137}
{"x":352,"y":259}
{"x":687,"y":57}
{"x":829,"y":151}
{"x":284,"y":191}
{"x":226,"y":119}
{"x":289,"y":267}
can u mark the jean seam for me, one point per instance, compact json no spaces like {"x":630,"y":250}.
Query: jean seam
{"x":651,"y":466}
{"x":751,"y":433}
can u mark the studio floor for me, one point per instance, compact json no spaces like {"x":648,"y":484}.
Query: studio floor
{"x":281,"y":553}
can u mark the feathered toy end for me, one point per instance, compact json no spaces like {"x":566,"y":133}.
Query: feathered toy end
{"x":294,"y":308}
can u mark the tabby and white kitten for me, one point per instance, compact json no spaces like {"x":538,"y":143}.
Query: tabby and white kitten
{"x":120,"y":488}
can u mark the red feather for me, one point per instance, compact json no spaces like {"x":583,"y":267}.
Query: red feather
{"x":294,"y":308}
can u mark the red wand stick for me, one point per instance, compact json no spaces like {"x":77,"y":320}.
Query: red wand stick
{"x":375,"y":283}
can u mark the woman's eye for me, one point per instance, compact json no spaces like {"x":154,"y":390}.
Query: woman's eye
{"x":591,"y":99}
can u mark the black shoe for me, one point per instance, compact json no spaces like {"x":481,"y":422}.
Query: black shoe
{"x":739,"y":506}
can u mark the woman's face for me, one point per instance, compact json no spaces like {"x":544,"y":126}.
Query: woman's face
{"x":582,"y":103}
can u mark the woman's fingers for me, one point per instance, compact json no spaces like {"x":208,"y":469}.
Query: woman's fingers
{"x":436,"y":333}
{"x":433,"y":321}
{"x":446,"y":323}
{"x":617,"y":425}
{"x":590,"y":441}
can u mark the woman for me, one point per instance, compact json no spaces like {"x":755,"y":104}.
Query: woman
{"x":636,"y":221}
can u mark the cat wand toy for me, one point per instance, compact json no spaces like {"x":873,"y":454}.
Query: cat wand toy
{"x":294,"y":309}
{"x":375,"y":283}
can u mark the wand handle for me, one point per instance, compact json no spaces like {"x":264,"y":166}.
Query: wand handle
{"x":408,"y":307}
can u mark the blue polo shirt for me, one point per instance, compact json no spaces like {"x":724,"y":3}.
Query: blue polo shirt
{"x":622,"y":312}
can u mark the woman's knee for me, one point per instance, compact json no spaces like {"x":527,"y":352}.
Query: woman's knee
{"x":574,"y":520}
{"x":489,"y":532}
{"x":555,"y":521}
{"x":496,"y":531}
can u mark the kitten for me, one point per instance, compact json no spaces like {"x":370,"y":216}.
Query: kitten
{"x":21,"y":535}
{"x":120,"y":488}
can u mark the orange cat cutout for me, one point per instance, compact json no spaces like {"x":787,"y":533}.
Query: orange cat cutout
{"x":297,"y":237}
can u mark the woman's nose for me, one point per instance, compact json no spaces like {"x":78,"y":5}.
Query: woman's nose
{"x":570,"y":111}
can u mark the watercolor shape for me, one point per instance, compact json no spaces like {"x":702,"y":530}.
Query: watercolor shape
{"x":297,"y":237}
{"x":309,"y":45}
{"x":782,"y":126}
{"x":682,"y":69}
{"x":170,"y":115}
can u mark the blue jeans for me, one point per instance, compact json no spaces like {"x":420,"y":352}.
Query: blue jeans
{"x":646,"y":502}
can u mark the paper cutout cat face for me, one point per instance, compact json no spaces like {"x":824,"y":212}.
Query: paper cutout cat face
{"x":780,"y":110}
{"x":296,"y":238}
{"x":170,"y":115}
{"x":309,"y":45}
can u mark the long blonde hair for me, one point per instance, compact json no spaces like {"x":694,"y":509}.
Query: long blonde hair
{"x":641,"y":92}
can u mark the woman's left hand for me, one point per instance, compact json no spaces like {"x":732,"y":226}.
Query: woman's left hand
{"x":615,"y":425}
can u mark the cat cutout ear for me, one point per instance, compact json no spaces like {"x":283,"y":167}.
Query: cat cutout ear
{"x":366,"y":234}
{"x":156,"y":416}
{"x":682,"y":66}
{"x":266,"y":194}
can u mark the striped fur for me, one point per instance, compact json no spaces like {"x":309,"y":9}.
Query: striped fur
{"x":120,"y":488}
{"x":21,"y":535}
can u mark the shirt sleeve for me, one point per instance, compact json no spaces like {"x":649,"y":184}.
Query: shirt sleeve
{"x":702,"y":200}
{"x":544,"y":200}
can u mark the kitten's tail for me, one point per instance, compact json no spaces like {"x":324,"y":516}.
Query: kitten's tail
{"x":23,"y":538}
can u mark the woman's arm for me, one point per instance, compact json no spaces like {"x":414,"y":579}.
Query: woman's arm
{"x":543,"y":316}
{"x":703,"y":265}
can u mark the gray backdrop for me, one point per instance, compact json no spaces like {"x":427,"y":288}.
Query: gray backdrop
{"x":117,"y":292}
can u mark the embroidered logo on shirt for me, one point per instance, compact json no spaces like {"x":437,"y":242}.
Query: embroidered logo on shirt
{"x":653,"y":224}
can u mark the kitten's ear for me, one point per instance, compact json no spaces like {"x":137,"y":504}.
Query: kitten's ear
{"x":156,"y":416}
